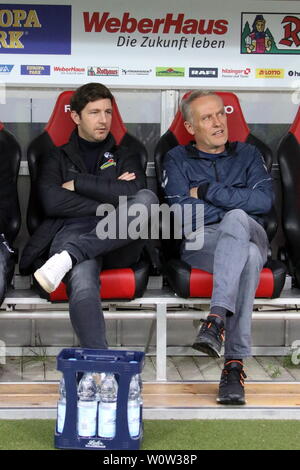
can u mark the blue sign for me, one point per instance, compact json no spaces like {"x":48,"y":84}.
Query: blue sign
{"x":6,"y":68}
{"x":35,"y":70}
{"x":35,"y":29}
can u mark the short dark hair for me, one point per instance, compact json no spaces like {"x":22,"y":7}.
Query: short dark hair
{"x":87,"y":93}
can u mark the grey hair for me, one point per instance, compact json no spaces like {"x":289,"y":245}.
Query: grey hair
{"x":185,"y":106}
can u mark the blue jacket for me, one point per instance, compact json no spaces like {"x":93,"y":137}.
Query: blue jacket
{"x":234,"y":179}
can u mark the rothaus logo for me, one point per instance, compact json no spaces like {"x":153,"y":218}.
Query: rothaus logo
{"x":16,"y":19}
{"x":169,"y":24}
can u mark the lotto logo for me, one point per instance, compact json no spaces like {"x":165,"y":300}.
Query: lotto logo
{"x":269,"y":73}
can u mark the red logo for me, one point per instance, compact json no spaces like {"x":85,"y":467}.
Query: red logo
{"x":291,"y":31}
{"x":170,"y":24}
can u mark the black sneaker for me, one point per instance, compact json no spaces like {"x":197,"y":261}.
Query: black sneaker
{"x":231,"y":388}
{"x":210,"y":337}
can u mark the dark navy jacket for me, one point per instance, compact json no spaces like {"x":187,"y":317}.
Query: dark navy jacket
{"x":238,"y":179}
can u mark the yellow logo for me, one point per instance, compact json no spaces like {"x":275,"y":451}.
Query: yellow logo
{"x":16,"y":19}
{"x":269,"y":73}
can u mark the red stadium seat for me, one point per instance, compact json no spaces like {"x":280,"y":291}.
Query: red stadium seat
{"x":10,"y":154}
{"x":289,"y":163}
{"x":189,"y":282}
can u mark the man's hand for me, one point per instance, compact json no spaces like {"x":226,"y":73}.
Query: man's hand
{"x":69,"y":185}
{"x":200,"y":191}
{"x":127,"y":176}
{"x":194,"y":192}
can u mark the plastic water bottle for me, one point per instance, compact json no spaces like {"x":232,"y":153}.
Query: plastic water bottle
{"x":98,"y":377}
{"x":107,"y":410}
{"x":87,"y":406}
{"x":61,"y":406}
{"x":134,"y":406}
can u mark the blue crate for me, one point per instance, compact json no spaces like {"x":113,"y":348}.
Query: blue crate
{"x":124,"y":364}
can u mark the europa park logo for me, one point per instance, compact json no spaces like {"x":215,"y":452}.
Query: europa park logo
{"x":29,"y":29}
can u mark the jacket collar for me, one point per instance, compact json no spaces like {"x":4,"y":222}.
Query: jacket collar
{"x":193,"y":152}
{"x":73,"y":151}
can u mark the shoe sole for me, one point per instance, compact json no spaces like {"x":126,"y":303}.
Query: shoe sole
{"x":43,"y":282}
{"x":206,"y":349}
{"x":231,"y":401}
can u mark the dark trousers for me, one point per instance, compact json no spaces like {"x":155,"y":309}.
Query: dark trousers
{"x":7,"y":265}
{"x":92,"y":254}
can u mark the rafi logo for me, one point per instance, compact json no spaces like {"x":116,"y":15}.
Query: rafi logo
{"x":4,"y":68}
{"x":29,"y":29}
{"x":203,"y":72}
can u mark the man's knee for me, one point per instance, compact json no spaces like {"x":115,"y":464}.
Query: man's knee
{"x":83,"y":278}
{"x":254,"y":260}
{"x":236,"y":215}
{"x":146,"y":197}
{"x":236,"y":222}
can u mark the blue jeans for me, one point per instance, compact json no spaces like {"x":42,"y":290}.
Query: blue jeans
{"x":235,"y":251}
{"x":92,"y":255}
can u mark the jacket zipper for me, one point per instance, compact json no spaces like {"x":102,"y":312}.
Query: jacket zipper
{"x":214,"y":163}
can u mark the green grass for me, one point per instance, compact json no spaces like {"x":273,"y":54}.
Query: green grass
{"x":171,"y":435}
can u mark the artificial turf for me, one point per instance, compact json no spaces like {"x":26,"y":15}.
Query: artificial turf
{"x":171,"y":435}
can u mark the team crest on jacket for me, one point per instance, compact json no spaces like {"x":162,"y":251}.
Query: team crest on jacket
{"x":110,"y":161}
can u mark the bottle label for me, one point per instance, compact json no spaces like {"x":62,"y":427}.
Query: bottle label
{"x":61,"y":415}
{"x":87,"y":418}
{"x":107,"y":419}
{"x":134,"y":419}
